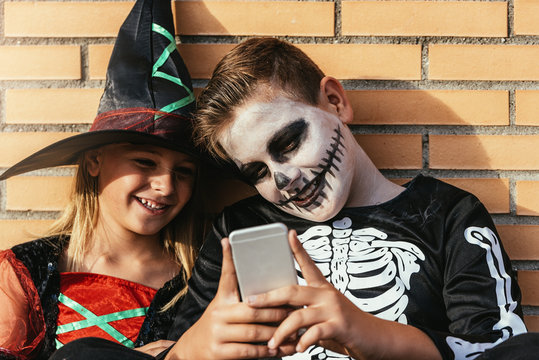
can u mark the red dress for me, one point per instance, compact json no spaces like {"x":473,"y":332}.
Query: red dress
{"x":101,"y":306}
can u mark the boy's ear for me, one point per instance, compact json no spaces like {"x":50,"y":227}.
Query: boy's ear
{"x":93,"y":161}
{"x":334,"y":97}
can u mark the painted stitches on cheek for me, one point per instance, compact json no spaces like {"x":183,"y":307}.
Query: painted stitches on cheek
{"x":308,"y":197}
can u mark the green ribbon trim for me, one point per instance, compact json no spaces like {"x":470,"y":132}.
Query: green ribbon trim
{"x":160,"y":61}
{"x":161,"y":30}
{"x":100,"y":321}
{"x":178,"y":104}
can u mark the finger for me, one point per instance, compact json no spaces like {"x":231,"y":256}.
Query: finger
{"x":310,"y":271}
{"x":316,"y":334}
{"x":228,"y":284}
{"x":286,"y":349}
{"x":295,"y":296}
{"x":245,"y":351}
{"x":295,"y":322}
{"x":242,"y":313}
{"x":247,"y":333}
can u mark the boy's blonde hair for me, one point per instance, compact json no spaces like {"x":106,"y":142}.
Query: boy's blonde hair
{"x":75,"y":227}
{"x":255,"y":62}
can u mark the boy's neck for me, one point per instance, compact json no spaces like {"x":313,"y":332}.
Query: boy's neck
{"x":369,"y":187}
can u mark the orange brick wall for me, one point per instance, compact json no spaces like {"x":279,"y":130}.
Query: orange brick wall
{"x":445,"y":88}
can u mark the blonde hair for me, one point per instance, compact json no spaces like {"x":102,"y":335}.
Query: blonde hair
{"x":75,"y":227}
{"x":255,"y":62}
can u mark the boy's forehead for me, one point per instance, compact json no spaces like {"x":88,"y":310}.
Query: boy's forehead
{"x":261,"y":118}
{"x":263,"y":113}
{"x":251,"y":127}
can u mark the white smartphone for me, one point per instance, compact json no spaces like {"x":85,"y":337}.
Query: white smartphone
{"x":262,"y":258}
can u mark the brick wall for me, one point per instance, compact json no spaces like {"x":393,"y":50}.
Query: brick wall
{"x":446,"y":88}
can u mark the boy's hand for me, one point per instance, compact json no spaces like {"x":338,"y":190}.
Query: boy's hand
{"x":229,"y":329}
{"x":334,"y":322}
{"x":326,"y":314}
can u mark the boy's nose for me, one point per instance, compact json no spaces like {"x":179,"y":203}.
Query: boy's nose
{"x":285,"y":175}
{"x":281,"y":180}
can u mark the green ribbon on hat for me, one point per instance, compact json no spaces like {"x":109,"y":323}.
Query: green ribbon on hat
{"x":160,"y":61}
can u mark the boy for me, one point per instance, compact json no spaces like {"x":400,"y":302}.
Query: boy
{"x":424,"y":259}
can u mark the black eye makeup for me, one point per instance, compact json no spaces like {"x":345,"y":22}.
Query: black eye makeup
{"x":287,"y":140}
{"x":254,"y":172}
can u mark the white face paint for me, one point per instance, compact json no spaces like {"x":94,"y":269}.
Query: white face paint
{"x":298,"y":156}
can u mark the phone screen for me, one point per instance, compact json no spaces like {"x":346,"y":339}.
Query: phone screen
{"x":262,"y":258}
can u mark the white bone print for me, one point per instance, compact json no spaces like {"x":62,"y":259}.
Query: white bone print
{"x":510,"y":323}
{"x":361,"y":259}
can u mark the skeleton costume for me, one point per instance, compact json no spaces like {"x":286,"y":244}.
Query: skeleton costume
{"x":430,"y":258}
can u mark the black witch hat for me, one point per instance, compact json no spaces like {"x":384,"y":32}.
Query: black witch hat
{"x":148,"y":97}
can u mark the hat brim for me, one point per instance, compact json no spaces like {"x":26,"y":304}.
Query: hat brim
{"x":67,"y":151}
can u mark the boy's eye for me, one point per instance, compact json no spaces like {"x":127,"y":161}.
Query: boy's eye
{"x":254,"y":172}
{"x":287,"y":140}
{"x":291,"y":146}
{"x":284,"y":146}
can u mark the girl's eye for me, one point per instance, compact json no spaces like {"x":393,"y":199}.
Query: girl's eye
{"x":145,"y":162}
{"x":183,"y":172}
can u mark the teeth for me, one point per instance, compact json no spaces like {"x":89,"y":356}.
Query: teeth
{"x":307,"y":192}
{"x":151,"y":204}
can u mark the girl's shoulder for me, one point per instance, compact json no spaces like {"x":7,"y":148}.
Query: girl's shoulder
{"x":40,"y":247}
{"x":40,"y":256}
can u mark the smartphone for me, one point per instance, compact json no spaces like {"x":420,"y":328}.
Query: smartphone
{"x":262,"y":258}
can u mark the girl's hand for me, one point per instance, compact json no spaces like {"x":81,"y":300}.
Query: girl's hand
{"x":229,"y":329}
{"x":156,"y":347}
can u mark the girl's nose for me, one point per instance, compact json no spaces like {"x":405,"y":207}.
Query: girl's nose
{"x":164,"y":182}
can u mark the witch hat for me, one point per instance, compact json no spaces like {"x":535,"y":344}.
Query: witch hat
{"x":148,"y":97}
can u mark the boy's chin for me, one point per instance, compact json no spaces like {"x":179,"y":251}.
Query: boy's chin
{"x":315,"y":215}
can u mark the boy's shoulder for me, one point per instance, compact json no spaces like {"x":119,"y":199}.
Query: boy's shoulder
{"x":423,"y":185}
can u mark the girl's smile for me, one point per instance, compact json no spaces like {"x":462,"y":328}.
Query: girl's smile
{"x":141,"y":187}
{"x":151,"y":205}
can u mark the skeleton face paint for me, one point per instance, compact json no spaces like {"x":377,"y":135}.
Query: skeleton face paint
{"x":297,"y":156}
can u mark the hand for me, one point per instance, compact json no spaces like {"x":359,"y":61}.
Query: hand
{"x":229,"y":329}
{"x":334,"y":322}
{"x":326,"y":314}
{"x":156,"y":347}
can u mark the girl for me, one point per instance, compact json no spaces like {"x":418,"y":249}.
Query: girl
{"x":116,"y":262}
